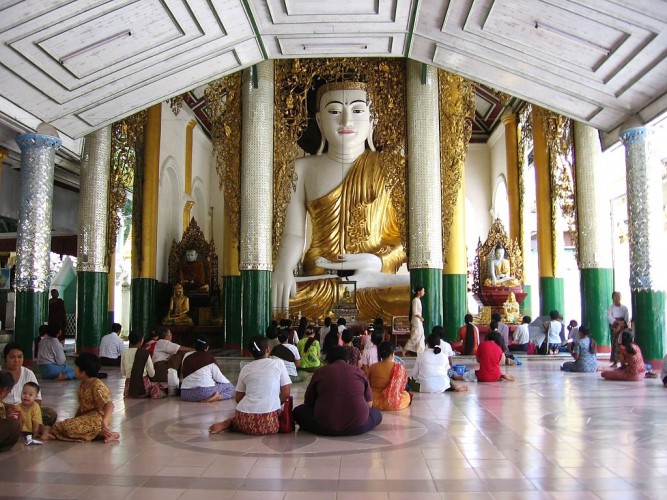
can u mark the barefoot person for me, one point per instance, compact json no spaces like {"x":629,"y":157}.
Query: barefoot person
{"x":202,"y":379}
{"x":93,"y":417}
{"x":416,"y":341}
{"x":262,"y":388}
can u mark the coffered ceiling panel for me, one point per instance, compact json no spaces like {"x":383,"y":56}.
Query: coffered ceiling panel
{"x":80,"y":64}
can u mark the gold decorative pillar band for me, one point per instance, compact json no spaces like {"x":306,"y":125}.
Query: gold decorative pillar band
{"x":425,"y":224}
{"x":545,"y":253}
{"x":230,"y":254}
{"x":645,"y":210}
{"x":151,"y":182}
{"x":457,"y":108}
{"x":189,"y":131}
{"x":257,"y":168}
{"x":94,"y":201}
{"x":592,"y":200}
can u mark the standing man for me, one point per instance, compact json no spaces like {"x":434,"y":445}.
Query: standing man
{"x":111,"y":347}
{"x":616,"y":311}
{"x":57,"y":314}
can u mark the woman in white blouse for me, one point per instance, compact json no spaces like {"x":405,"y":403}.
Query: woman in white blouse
{"x":262,"y":388}
{"x":202,"y":379}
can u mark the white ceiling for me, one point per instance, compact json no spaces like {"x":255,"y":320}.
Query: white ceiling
{"x":82,"y":64}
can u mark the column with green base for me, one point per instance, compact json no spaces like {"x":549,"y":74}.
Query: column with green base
{"x":454,"y":290}
{"x":595,"y":260}
{"x":552,"y":295}
{"x":255,"y":253}
{"x":231,"y":297}
{"x":92,"y":270}
{"x":33,"y":239}
{"x":647,"y":241}
{"x":256,"y":290}
{"x":143,"y":300}
{"x":425,"y":224}
{"x":91,"y":315}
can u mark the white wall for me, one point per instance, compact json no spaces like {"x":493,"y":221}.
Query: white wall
{"x":498,"y":167}
{"x":172,"y":197}
{"x":478,"y":196}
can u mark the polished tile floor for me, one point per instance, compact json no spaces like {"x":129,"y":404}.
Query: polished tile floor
{"x":547,"y":435}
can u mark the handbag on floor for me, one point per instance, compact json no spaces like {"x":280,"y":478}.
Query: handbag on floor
{"x":286,"y":421}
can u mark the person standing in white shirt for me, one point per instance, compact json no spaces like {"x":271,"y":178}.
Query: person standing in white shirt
{"x":111,"y":347}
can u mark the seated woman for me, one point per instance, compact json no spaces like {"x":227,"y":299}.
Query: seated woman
{"x":331,"y":339}
{"x":388,"y":380}
{"x":93,"y":417}
{"x":353,"y":353}
{"x":13,"y":355}
{"x":136,"y":366}
{"x":490,"y":356}
{"x":202,"y":379}
{"x":262,"y":388}
{"x":467,"y":339}
{"x":432,"y":367}
{"x":51,"y":357}
{"x":370,"y":355}
{"x":10,"y":425}
{"x":289,"y":355}
{"x":583,"y":352}
{"x":338,"y":400}
{"x":632,"y":363}
{"x":309,"y":350}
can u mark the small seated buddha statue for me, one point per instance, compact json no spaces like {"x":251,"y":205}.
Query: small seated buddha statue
{"x":499,"y":269}
{"x":511,"y":309}
{"x":191,"y":272}
{"x":179,"y":306}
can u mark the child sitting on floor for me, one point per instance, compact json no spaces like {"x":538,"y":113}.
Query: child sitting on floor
{"x":31,"y":413}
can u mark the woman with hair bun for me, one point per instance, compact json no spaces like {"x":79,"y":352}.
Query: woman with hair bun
{"x":432,"y":367}
{"x":202,"y":379}
{"x":262,"y":388}
{"x":629,"y":354}
{"x":416,"y":341}
{"x":388,"y":380}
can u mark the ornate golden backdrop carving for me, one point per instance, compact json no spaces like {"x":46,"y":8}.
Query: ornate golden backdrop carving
{"x":223,"y":99}
{"x":497,"y":236}
{"x":193,"y":239}
{"x":525,"y":138}
{"x":127,"y":140}
{"x":558,"y":136}
{"x":385,"y":80}
{"x":457,"y":109}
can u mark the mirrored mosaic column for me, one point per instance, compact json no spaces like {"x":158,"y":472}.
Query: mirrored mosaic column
{"x":594,"y":234}
{"x":255,"y":256}
{"x":647,"y":241}
{"x":92,"y":270}
{"x":425,"y":259}
{"x":33,"y":239}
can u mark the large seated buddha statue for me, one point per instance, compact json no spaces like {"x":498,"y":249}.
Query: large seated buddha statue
{"x":498,"y":270}
{"x":354,"y":225}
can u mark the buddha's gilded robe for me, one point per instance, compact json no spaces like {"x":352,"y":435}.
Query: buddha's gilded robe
{"x":356,"y":217}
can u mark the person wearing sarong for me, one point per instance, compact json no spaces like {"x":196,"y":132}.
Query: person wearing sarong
{"x":262,"y":388}
{"x":202,"y":379}
{"x":416,"y":341}
{"x":388,"y":380}
{"x":632,"y":367}
{"x":93,"y":417}
{"x":309,"y":351}
{"x":137,"y":366}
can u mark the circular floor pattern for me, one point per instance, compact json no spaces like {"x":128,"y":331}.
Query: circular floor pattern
{"x":395,"y":431}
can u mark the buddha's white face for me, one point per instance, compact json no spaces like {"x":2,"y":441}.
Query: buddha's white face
{"x":191,"y":255}
{"x":344,"y":118}
{"x":500,"y":253}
